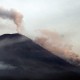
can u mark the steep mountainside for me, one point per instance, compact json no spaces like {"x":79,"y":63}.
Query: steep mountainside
{"x":21,"y":58}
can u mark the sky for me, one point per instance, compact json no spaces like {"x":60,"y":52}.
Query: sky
{"x":62,"y":16}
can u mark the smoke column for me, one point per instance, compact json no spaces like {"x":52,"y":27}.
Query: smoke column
{"x":12,"y":15}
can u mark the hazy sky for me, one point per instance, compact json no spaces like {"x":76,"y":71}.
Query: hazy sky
{"x":61,"y":15}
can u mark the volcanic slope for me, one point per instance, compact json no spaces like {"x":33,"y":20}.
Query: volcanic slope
{"x":21,"y":58}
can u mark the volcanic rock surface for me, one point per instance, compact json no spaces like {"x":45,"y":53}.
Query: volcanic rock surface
{"x":21,"y":58}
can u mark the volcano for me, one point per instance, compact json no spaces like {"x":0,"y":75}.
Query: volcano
{"x":21,"y":58}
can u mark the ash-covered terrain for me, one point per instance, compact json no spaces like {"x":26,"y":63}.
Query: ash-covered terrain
{"x":21,"y":58}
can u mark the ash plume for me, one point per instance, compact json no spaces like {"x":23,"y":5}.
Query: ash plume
{"x":54,"y":43}
{"x":12,"y":15}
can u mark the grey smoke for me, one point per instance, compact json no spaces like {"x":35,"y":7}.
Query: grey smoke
{"x":12,"y":15}
{"x":5,"y":13}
